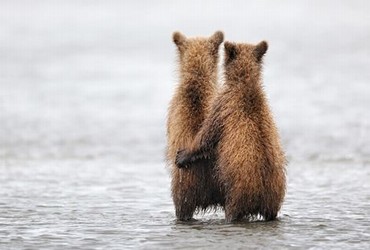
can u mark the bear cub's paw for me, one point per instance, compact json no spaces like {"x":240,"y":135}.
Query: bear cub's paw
{"x":182,"y":158}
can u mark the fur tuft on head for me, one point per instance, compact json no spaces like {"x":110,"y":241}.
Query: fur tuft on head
{"x":260,"y":50}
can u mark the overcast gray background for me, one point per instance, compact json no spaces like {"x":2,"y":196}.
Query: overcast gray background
{"x":93,"y":79}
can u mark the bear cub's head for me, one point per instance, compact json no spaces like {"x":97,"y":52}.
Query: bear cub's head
{"x":198,"y":55}
{"x":244,"y":60}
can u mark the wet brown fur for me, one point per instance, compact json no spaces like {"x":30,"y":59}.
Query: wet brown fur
{"x":198,"y":58}
{"x":240,"y":135}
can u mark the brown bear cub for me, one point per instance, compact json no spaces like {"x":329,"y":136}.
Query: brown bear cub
{"x":240,"y":136}
{"x":193,"y":189}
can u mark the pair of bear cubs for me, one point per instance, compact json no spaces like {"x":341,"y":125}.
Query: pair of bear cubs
{"x":223,"y":146}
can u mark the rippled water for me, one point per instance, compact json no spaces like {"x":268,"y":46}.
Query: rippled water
{"x":106,"y":204}
{"x":84,"y":88}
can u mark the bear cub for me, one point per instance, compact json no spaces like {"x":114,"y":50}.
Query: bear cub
{"x":193,"y":189}
{"x":240,"y":137}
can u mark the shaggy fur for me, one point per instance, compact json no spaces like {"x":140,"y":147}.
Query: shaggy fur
{"x":240,"y":135}
{"x":194,"y":188}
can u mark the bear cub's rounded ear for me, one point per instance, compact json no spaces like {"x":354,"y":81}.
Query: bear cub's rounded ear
{"x":178,"y":38}
{"x":260,"y":50}
{"x":230,"y":51}
{"x":217,"y":38}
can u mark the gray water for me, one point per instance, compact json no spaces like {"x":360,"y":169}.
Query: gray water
{"x":84,"y":89}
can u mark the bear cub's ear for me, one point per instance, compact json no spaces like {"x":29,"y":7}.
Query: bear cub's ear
{"x":260,"y":50}
{"x":179,"y":39}
{"x":230,"y":51}
{"x":217,"y":38}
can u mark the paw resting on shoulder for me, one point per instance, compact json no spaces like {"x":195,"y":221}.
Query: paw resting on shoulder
{"x":182,"y":158}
